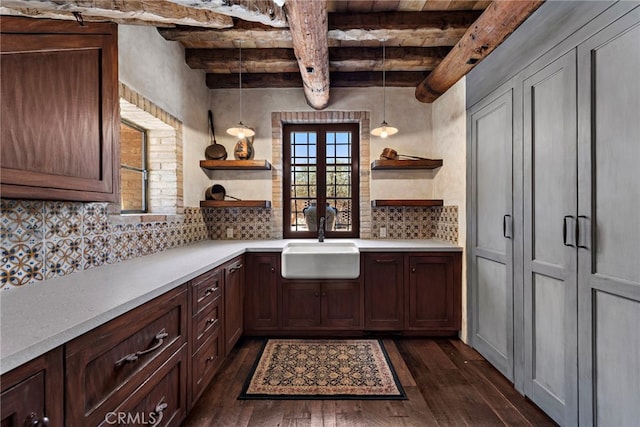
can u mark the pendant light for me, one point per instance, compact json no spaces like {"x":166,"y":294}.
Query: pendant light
{"x":241,"y":131}
{"x":384,"y":130}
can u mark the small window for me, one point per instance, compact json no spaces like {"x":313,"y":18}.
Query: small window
{"x":133,"y":168}
{"x":321,"y":168}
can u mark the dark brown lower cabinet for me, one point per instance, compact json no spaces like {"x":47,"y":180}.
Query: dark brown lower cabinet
{"x":34,"y":392}
{"x":109,"y":368}
{"x":261,"y":292}
{"x":329,"y":305}
{"x":433,"y":297}
{"x":207,"y":318}
{"x":383,"y":291}
{"x":233,"y":302}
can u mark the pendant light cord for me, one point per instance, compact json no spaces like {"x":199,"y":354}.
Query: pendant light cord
{"x":240,"y":76}
{"x":384,"y":84}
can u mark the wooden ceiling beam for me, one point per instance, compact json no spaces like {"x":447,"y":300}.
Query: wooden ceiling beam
{"x":338,"y":79}
{"x":445,"y":29}
{"x":495,"y":24}
{"x":308,"y":24}
{"x":225,"y":61}
{"x":142,"y":12}
{"x":266,"y":12}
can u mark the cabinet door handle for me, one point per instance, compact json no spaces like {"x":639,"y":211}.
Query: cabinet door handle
{"x":584,"y":232}
{"x":158,"y":411}
{"x":568,"y":232}
{"x":210,"y":359}
{"x":507,"y":226}
{"x":235,"y":268}
{"x":33,"y":420}
{"x":211,"y":321}
{"x":160,"y":336}
{"x":209,"y":292}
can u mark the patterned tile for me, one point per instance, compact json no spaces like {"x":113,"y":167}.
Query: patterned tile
{"x":95,"y":219}
{"x":62,"y":219}
{"x":22,"y":221}
{"x":22,"y":264}
{"x":63,"y":257}
{"x":96,"y":251}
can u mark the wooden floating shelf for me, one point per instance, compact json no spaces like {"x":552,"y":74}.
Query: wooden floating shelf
{"x":235,"y":164}
{"x":235,"y":204}
{"x":406,"y":164}
{"x":399,"y":202}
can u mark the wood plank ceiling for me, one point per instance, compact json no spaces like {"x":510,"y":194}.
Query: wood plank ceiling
{"x":314,"y":44}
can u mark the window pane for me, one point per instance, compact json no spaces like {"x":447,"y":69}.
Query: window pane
{"x":131,"y":146}
{"x":131,"y":193}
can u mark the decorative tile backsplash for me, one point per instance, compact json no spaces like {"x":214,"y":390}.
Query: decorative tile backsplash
{"x":440,"y":223}
{"x":41,"y":240}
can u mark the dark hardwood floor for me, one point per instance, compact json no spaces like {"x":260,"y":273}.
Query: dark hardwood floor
{"x":447,"y":384}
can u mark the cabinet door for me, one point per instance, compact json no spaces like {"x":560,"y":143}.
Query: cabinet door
{"x":550,"y":257}
{"x":33,"y":392}
{"x":491,"y":280}
{"x":233,"y":302}
{"x":433,"y":300}
{"x":384,"y":292}
{"x":609,"y":224}
{"x":300,"y":304}
{"x":341,"y":305}
{"x":261,"y":303}
{"x":59,"y":121}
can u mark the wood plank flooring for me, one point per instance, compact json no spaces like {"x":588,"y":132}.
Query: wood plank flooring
{"x":447,"y":384}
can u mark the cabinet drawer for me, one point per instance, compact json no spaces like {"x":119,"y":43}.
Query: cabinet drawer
{"x":206,"y":321}
{"x":106,"y":365}
{"x":205,"y":363}
{"x":206,"y":288}
{"x":162,"y":400}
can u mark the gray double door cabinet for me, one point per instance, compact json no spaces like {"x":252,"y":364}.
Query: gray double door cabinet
{"x":554,"y":241}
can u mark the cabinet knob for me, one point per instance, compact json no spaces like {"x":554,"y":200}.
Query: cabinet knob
{"x":209,"y":292}
{"x":210,"y":359}
{"x":413,"y":270}
{"x":33,"y":420}
{"x":324,"y":294}
{"x":211,"y":321}
{"x":317,"y":294}
{"x":273,"y":269}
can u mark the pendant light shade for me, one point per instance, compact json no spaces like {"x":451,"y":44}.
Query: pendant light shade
{"x":384,"y":130}
{"x":240,"y":131}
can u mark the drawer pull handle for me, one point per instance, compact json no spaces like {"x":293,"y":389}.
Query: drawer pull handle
{"x":159,"y":411}
{"x":385,"y":260}
{"x":33,"y":420}
{"x":210,"y":359}
{"x":211,"y":321}
{"x":235,"y":268}
{"x":160,"y":336}
{"x":209,"y":292}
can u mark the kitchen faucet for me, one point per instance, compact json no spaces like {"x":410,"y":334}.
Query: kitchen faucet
{"x":321,"y":230}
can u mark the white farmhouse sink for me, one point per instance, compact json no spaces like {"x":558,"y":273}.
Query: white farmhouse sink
{"x":316,"y":260}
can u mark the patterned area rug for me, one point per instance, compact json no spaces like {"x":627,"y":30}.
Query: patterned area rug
{"x":322,"y":369}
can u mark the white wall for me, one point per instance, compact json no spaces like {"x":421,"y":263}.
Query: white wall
{"x":449,"y":127}
{"x":403,"y":112}
{"x":156,"y":69}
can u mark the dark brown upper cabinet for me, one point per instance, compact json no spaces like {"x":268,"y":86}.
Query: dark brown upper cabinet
{"x":59,"y":114}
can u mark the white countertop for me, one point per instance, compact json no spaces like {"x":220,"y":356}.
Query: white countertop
{"x":39,"y":317}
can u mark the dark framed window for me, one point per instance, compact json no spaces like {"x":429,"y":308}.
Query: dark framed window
{"x":321,"y":168}
{"x":133,"y":168}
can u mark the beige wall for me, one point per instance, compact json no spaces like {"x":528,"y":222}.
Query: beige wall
{"x":155,"y":68}
{"x":403,"y":111}
{"x":449,"y":129}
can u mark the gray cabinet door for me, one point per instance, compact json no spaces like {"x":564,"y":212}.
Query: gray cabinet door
{"x":550,"y":256}
{"x":491,"y":253}
{"x":609,"y":224}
